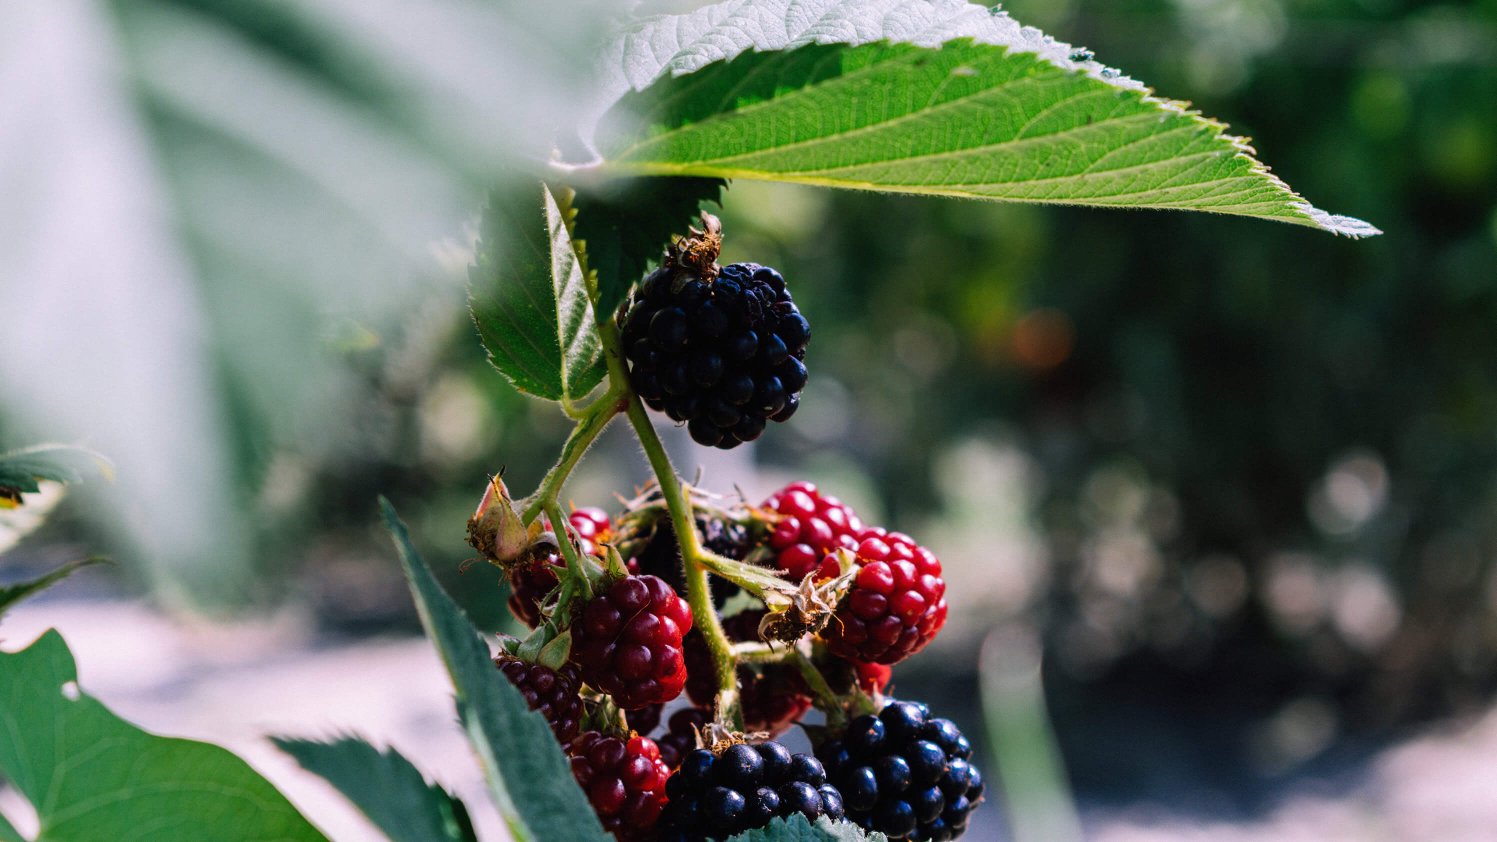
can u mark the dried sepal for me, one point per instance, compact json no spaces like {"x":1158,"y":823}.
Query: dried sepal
{"x":496,"y":529}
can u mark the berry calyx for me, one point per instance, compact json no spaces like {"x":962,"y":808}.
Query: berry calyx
{"x":895,"y":604}
{"x":530,"y":583}
{"x":555,"y":693}
{"x":627,"y":640}
{"x":720,"y":349}
{"x":905,"y":774}
{"x":624,"y":781}
{"x":744,"y":787}
{"x":808,"y":527}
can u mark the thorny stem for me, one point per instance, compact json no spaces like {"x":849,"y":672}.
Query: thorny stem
{"x":761,"y":653}
{"x":698,"y":595}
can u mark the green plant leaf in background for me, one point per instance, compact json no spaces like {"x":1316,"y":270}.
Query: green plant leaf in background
{"x":8,"y":832}
{"x":529,"y":299}
{"x":92,"y":776}
{"x":386,"y":788}
{"x":23,"y":471}
{"x":527,"y":772}
{"x":12,"y":594}
{"x":625,"y":225}
{"x":781,"y":91}
{"x":798,"y":829}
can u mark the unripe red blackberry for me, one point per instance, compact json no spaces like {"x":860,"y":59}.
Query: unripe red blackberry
{"x":810,"y":525}
{"x":529,"y":584}
{"x":905,"y":774}
{"x":895,"y":604}
{"x":680,"y":738}
{"x":628,"y":641}
{"x":557,"y":694}
{"x":624,"y":781}
{"x":721,"y":349}
{"x":716,"y":797}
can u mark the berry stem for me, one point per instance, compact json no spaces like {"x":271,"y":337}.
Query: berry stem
{"x":594,"y":420}
{"x":829,"y":702}
{"x":575,"y":570}
{"x":698,"y":595}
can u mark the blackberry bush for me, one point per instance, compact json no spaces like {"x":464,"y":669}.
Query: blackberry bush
{"x":719,"y":348}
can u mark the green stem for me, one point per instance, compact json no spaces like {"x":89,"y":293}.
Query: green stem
{"x":698,"y":594}
{"x":575,"y":570}
{"x":761,"y":653}
{"x":826,"y":699}
{"x":593,"y":422}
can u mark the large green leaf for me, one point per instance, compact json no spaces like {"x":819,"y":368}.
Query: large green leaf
{"x":939,"y":98}
{"x":529,"y":299}
{"x":527,"y":772}
{"x":386,"y":787}
{"x":12,"y":594}
{"x":798,"y":829}
{"x":92,"y":777}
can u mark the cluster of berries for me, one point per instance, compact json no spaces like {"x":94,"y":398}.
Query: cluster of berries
{"x":722,"y":349}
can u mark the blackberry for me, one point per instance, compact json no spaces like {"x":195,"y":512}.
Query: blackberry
{"x":905,"y":774}
{"x":896,"y":604}
{"x":716,"y":797}
{"x":809,"y":525}
{"x":628,"y":642}
{"x":557,"y":694}
{"x":680,"y":738}
{"x":624,"y":781}
{"x":720,"y":349}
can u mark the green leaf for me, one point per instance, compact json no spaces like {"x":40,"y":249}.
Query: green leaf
{"x":91,"y":775}
{"x":625,"y":226}
{"x":12,"y":594}
{"x":779,"y":93}
{"x":529,"y":300}
{"x":533,"y":786}
{"x":386,"y":787}
{"x":798,"y":829}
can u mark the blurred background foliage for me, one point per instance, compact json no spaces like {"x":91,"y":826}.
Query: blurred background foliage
{"x":1240,"y":478}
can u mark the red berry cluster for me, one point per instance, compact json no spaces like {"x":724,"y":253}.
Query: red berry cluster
{"x":809,"y":525}
{"x":628,"y":642}
{"x":624,"y":781}
{"x":896,"y":604}
{"x":530,"y":583}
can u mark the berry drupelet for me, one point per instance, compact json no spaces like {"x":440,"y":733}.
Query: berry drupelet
{"x":809,"y":525}
{"x":716,"y":797}
{"x":624,"y":781}
{"x":905,"y":774}
{"x":628,"y":642}
{"x":555,"y":693}
{"x":720,"y":349}
{"x":895,"y":605}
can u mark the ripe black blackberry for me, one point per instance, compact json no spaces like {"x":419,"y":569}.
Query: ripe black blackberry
{"x":661,"y":554}
{"x":905,"y":774}
{"x":715,"y":797}
{"x":720,"y":349}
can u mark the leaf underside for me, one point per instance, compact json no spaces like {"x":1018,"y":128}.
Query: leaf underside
{"x":939,"y":98}
{"x":527,"y":772}
{"x":529,"y":300}
{"x":91,"y":775}
{"x":386,"y":788}
{"x":798,"y":829}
